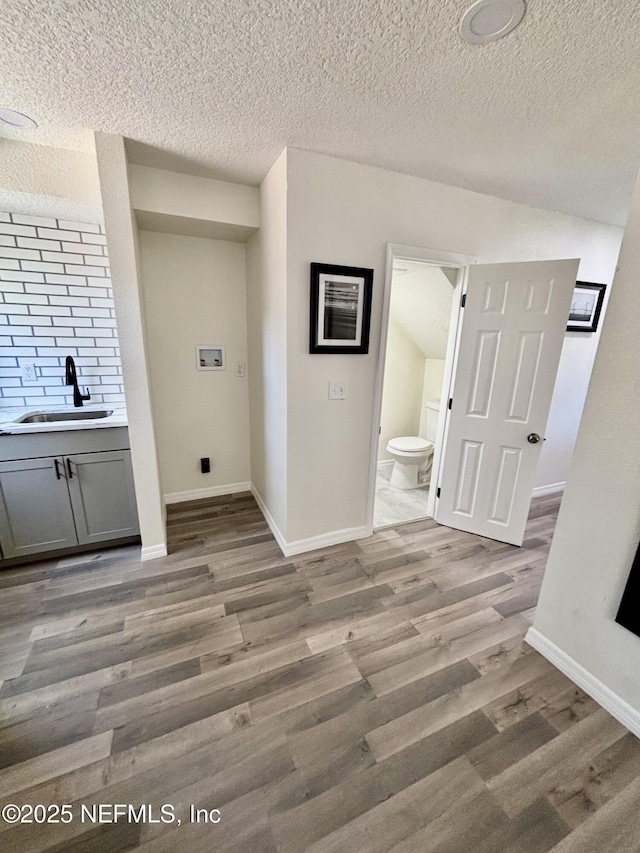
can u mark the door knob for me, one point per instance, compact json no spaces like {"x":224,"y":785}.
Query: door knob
{"x":533,"y":438}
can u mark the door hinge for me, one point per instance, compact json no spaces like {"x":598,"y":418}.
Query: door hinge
{"x":379,"y":430}
{"x":463,"y":301}
{"x":450,"y":403}
{"x":438,"y":492}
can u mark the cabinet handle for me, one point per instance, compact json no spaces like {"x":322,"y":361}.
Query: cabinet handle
{"x":69,"y":468}
{"x":56,"y":462}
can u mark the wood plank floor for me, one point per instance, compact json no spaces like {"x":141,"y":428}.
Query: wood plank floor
{"x":375,"y":696}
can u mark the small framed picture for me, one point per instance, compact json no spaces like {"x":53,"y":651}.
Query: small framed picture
{"x":340,"y":309}
{"x":210,"y":357}
{"x":586,"y":305}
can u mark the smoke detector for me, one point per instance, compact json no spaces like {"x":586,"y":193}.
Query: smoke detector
{"x":490,"y":20}
{"x":15,"y":119}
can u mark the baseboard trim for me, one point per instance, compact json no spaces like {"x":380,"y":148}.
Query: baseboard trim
{"x":385,"y":465}
{"x":211,"y":492}
{"x":153,"y":552}
{"x":610,"y":701}
{"x":325,"y":540}
{"x":301,"y":546}
{"x":277,"y":535}
{"x":549,"y":489}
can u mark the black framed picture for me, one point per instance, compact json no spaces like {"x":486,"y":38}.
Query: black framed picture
{"x":340,"y":309}
{"x":586,"y":305}
{"x":629,"y":611}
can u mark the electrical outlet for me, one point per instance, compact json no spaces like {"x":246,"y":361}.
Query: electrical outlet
{"x":29,"y":372}
{"x":205,"y":465}
{"x":337,"y":389}
{"x":241,"y":368}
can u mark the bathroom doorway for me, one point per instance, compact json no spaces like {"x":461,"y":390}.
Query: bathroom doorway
{"x":419,"y":323}
{"x":421,"y":313}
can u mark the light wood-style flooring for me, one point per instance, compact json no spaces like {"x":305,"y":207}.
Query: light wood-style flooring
{"x":375,"y":696}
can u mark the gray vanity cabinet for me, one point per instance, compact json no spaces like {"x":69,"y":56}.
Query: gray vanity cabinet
{"x":35,"y":510}
{"x":78,"y":490}
{"x":102,"y":495}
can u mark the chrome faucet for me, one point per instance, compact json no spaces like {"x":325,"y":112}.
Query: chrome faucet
{"x":71,"y":378}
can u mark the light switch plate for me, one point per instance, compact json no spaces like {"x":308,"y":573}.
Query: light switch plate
{"x":337,"y":389}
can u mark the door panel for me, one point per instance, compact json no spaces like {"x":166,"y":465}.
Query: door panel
{"x":102,"y":495}
{"x":511,"y":336}
{"x":35,"y":510}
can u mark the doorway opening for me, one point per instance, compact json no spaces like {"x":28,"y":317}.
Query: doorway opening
{"x":422,"y":297}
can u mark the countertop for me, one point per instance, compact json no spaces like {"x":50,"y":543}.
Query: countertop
{"x":9,"y":426}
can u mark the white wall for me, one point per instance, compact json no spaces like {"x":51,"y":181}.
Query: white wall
{"x":403,"y":380}
{"x":599,"y":523}
{"x":267,"y":330}
{"x":122,"y":240}
{"x":194,"y":294}
{"x":345,"y":213}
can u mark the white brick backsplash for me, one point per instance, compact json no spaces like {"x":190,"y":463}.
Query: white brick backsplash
{"x":87,"y":249}
{"x":27,"y":341}
{"x":9,"y":288}
{"x":21,"y":254}
{"x":20,"y":319}
{"x":98,"y":239}
{"x":18,"y":275}
{"x":89,"y":227}
{"x":23,"y":219}
{"x":88,"y":291}
{"x":55,"y":351}
{"x":18,"y":230}
{"x":50,"y":310}
{"x":16,"y":352}
{"x":19,"y":392}
{"x":80,"y":269}
{"x":73,"y":321}
{"x":63,"y":257}
{"x":56,"y":292}
{"x":23,"y":298}
{"x":77,"y":301}
{"x":49,"y":289}
{"x":78,"y":280}
{"x":41,"y":266}
{"x":90,"y":312}
{"x":58,"y":234}
{"x":31,"y":243}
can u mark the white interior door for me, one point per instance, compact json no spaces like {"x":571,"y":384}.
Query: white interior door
{"x":513,"y":326}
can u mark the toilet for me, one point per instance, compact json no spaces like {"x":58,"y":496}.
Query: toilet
{"x":413,"y":454}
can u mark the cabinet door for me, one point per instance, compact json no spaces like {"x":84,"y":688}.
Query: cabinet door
{"x":35,"y":510}
{"x":102,"y":495}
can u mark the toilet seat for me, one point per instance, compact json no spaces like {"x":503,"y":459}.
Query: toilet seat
{"x":409,"y":445}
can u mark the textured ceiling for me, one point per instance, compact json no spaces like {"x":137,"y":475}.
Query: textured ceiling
{"x":421,"y":298}
{"x":547,"y":116}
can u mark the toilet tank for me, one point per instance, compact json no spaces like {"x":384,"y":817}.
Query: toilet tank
{"x":432,"y":412}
